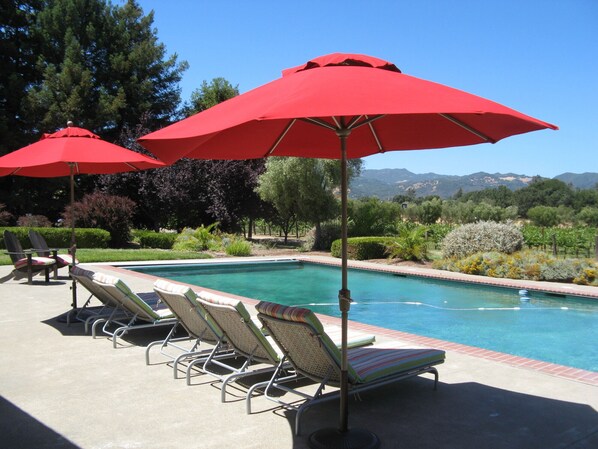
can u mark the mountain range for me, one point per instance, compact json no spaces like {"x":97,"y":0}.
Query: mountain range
{"x":388,"y":182}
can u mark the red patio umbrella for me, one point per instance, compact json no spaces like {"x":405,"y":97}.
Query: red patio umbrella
{"x":69,"y":152}
{"x":340,"y":106}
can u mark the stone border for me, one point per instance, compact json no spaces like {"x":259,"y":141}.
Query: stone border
{"x":575,"y":374}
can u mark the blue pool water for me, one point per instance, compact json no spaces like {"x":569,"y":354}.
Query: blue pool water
{"x":562,"y":330}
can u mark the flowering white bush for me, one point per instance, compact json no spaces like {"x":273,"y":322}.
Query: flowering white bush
{"x":484,"y":236}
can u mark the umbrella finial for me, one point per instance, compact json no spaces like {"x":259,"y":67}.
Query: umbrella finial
{"x":70,"y":123}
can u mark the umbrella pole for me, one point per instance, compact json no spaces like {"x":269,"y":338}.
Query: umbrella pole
{"x":343,"y":437}
{"x":73,"y":239}
{"x":344,"y":295}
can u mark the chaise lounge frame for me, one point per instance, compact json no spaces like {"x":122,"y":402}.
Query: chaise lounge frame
{"x":310,"y":351}
{"x":142,"y":314}
{"x":183,"y":303}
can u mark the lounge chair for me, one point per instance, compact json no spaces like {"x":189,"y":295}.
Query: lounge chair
{"x":182,"y":301}
{"x":249,"y":341}
{"x":42,"y":249}
{"x":311,"y":352}
{"x":144,"y":314}
{"x":24,"y":262}
{"x":110,"y":309}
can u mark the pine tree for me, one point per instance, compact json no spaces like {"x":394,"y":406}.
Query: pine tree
{"x":102,"y":67}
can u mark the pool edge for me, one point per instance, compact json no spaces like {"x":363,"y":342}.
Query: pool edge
{"x":561,"y":371}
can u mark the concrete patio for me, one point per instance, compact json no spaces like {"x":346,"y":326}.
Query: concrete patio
{"x":62,"y":389}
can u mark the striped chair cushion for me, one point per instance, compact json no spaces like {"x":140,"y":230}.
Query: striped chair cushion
{"x":267,"y":345}
{"x":78,"y":271}
{"x":220,"y":300}
{"x":375,"y":362}
{"x":65,"y":259}
{"x":105,"y":278}
{"x":139,"y":304}
{"x":35,"y":262}
{"x":171,"y":287}
{"x":354,"y":338}
{"x":302,"y":315}
{"x":365,"y":363}
{"x":191,"y":298}
{"x":289,"y":313}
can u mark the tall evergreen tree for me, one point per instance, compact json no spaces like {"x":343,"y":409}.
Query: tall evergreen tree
{"x":18,"y":53}
{"x":210,"y":94}
{"x":89,"y":61}
{"x":103,"y":67}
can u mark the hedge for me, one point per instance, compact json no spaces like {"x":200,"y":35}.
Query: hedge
{"x":151,"y":239}
{"x":61,"y":237}
{"x":363,"y":248}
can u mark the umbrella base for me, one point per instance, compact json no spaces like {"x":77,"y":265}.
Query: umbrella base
{"x":351,"y":439}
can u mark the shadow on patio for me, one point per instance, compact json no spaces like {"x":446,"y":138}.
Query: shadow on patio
{"x":465,"y":415}
{"x":21,"y":430}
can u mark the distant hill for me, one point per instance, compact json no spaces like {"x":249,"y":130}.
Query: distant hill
{"x":580,"y":180}
{"x":388,"y":182}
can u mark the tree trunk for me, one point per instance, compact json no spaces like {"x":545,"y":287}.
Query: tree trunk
{"x":318,"y":237}
{"x":250,"y":229}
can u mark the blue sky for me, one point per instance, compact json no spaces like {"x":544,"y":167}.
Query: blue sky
{"x":537,"y":56}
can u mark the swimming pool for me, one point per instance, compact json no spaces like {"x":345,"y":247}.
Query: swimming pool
{"x":555,"y":329}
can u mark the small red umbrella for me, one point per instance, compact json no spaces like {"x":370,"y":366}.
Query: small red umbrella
{"x":69,"y":152}
{"x":340,"y":106}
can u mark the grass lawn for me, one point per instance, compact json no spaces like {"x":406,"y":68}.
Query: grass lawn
{"x":88,"y":255}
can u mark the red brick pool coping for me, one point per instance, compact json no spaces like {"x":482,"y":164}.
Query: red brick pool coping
{"x":575,"y":374}
{"x":425,"y":272}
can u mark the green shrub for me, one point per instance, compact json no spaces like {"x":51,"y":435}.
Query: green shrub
{"x":206,"y":237}
{"x":372,"y":216}
{"x":61,"y":237}
{"x":34,"y":221}
{"x":437,"y":232}
{"x":483,"y":236}
{"x":544,"y":216}
{"x":532,"y":265}
{"x":199,"y":239}
{"x":409,"y":245}
{"x":588,"y":215}
{"x":92,"y":238}
{"x":151,"y":239}
{"x":557,"y":270}
{"x":186,"y":241}
{"x":363,"y":248}
{"x":329,"y":232}
{"x":238,"y":247}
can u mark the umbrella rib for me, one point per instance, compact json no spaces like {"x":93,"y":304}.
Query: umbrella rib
{"x":376,"y":138}
{"x":320,"y":122}
{"x":367,"y":120}
{"x":132,"y":166}
{"x":353,"y":121}
{"x":279,"y":139}
{"x":468,"y":128}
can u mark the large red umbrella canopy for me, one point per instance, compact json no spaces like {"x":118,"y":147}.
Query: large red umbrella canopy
{"x":393,"y":111}
{"x":73,"y":151}
{"x":54,"y":155}
{"x":340,"y":106}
